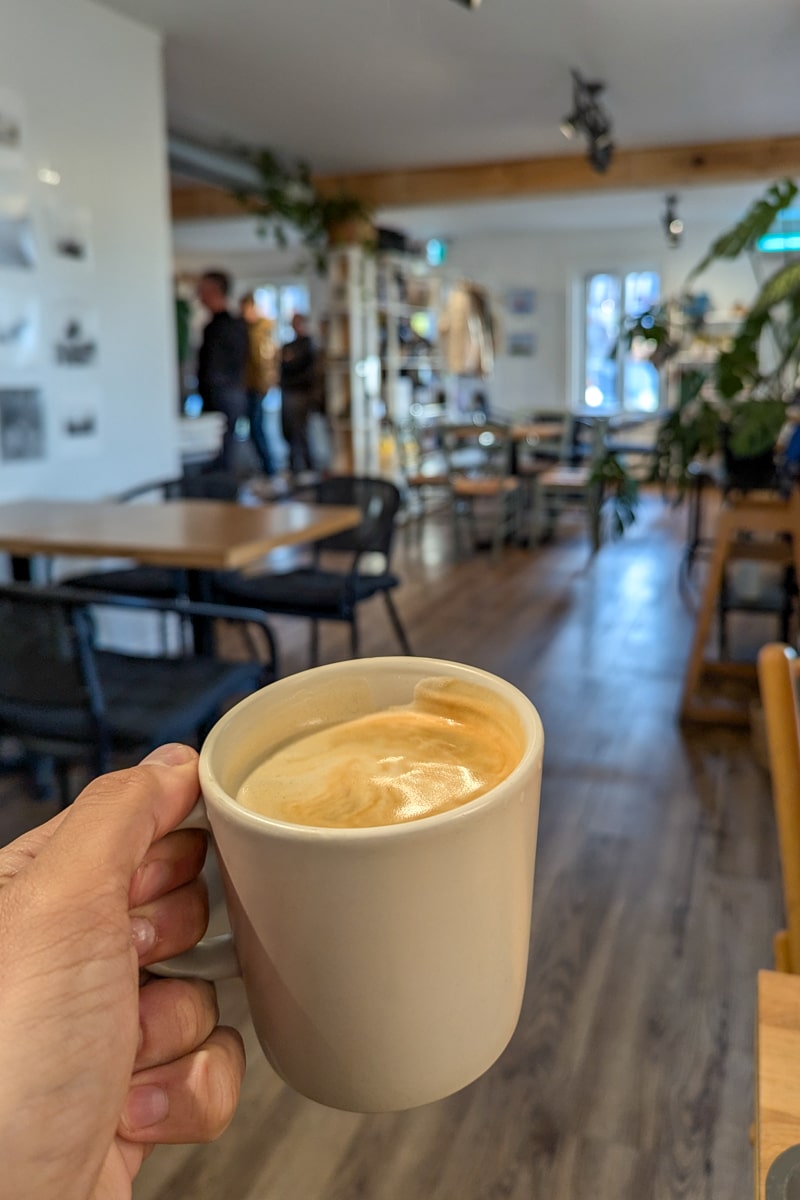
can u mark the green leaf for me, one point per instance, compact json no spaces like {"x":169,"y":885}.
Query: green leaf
{"x":621,"y":504}
{"x":757,"y":221}
{"x":287,"y":196}
{"x":783,"y":285}
{"x":755,"y":426}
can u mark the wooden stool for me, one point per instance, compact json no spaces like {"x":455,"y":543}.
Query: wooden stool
{"x":760,"y":513}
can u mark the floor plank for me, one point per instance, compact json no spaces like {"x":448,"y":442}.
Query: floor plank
{"x":630,"y":1073}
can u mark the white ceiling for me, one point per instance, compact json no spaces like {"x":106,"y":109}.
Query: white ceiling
{"x":360,"y":84}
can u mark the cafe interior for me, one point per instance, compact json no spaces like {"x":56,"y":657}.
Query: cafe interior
{"x":544,"y":254}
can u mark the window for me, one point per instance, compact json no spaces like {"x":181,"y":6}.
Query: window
{"x":280,"y":303}
{"x":615,"y":377}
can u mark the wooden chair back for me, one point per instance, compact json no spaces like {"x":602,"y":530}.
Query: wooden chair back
{"x":779,"y":681}
{"x":477,"y":452}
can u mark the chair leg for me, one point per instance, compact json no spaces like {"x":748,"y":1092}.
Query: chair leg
{"x":457,"y":547}
{"x":65,"y":796}
{"x":354,"y":642}
{"x":500,"y":526}
{"x":315,"y":643}
{"x":594,"y":504}
{"x":397,"y":624}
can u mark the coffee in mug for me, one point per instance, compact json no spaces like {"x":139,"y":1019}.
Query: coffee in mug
{"x":451,"y":744}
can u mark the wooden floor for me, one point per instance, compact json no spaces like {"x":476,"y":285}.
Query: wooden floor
{"x":656,"y":895}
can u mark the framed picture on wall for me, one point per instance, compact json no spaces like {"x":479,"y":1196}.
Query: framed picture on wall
{"x":12,"y":129}
{"x":74,"y":333}
{"x":17,"y":241}
{"x":19,"y":329}
{"x":76,"y":418}
{"x":22,"y":424}
{"x":520,"y":301}
{"x":69,"y":235}
{"x":521,"y":344}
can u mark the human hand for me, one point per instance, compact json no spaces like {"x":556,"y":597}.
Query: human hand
{"x":96,"y":1070}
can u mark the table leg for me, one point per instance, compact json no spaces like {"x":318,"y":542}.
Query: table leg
{"x":198,"y":587}
{"x":21,"y":568}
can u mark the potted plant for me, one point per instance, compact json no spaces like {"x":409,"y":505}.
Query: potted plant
{"x":733,"y":406}
{"x":286,"y":196}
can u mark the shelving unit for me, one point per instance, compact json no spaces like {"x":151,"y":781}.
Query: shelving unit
{"x":353,"y":364}
{"x":382,"y":354}
{"x":410,"y":298}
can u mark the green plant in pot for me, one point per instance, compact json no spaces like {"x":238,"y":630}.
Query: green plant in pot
{"x":735,"y":406}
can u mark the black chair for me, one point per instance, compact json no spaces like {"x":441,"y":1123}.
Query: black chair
{"x":67,"y":700}
{"x":318,"y":592}
{"x":159,"y":583}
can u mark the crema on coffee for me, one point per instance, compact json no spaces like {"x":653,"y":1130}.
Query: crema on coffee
{"x":451,"y":744}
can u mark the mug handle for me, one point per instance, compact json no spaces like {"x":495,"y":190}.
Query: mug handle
{"x":213,"y":958}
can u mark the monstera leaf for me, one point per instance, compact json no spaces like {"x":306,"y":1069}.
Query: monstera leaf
{"x":782,"y":286}
{"x":757,"y":221}
{"x":737,"y":368}
{"x":755,"y":425}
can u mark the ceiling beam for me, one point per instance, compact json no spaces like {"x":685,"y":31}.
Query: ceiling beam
{"x":651,"y":167}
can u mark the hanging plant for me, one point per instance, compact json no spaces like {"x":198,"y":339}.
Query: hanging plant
{"x":286,"y":197}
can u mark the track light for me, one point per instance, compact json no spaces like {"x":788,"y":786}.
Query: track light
{"x":673,"y":225}
{"x":590,"y":119}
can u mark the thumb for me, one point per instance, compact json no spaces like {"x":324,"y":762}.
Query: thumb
{"x":108,"y":830}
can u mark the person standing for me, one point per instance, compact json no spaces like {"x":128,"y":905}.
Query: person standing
{"x":222,"y":360}
{"x":261,"y":374}
{"x":298,"y":394}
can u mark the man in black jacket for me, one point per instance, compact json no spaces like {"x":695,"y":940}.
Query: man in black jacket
{"x":299,"y":386}
{"x":222,"y":360}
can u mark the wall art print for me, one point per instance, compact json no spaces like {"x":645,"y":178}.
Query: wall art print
{"x":520,"y":301}
{"x":12,"y":130}
{"x":19,"y":329}
{"x":17,"y":241}
{"x":521,"y":344}
{"x":69,"y":234}
{"x":76,"y":411}
{"x":74,"y":334}
{"x":22,"y":424}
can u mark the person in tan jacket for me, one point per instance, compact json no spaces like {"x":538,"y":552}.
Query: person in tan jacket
{"x":260,"y":375}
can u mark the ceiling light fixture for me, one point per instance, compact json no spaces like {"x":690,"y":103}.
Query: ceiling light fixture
{"x":673,"y":225}
{"x":590,"y":120}
{"x":469,"y":3}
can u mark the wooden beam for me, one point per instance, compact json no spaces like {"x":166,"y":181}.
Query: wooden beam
{"x":656,"y":166}
{"x":650,"y":167}
{"x":200,"y":201}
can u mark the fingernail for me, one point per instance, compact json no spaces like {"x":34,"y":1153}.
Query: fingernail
{"x":171,"y":755}
{"x":143,"y":935}
{"x":145,"y":1106}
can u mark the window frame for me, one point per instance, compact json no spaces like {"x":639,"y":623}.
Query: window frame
{"x":580,"y":292}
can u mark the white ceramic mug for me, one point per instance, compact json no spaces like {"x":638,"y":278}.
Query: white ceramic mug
{"x":384,"y":967}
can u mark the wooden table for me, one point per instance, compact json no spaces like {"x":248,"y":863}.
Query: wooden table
{"x":537,"y":431}
{"x":749,"y":526}
{"x":197,"y":535}
{"x":777,"y":1070}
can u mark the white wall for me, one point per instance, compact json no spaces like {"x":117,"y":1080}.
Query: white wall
{"x":91,"y":83}
{"x":554,"y":264}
